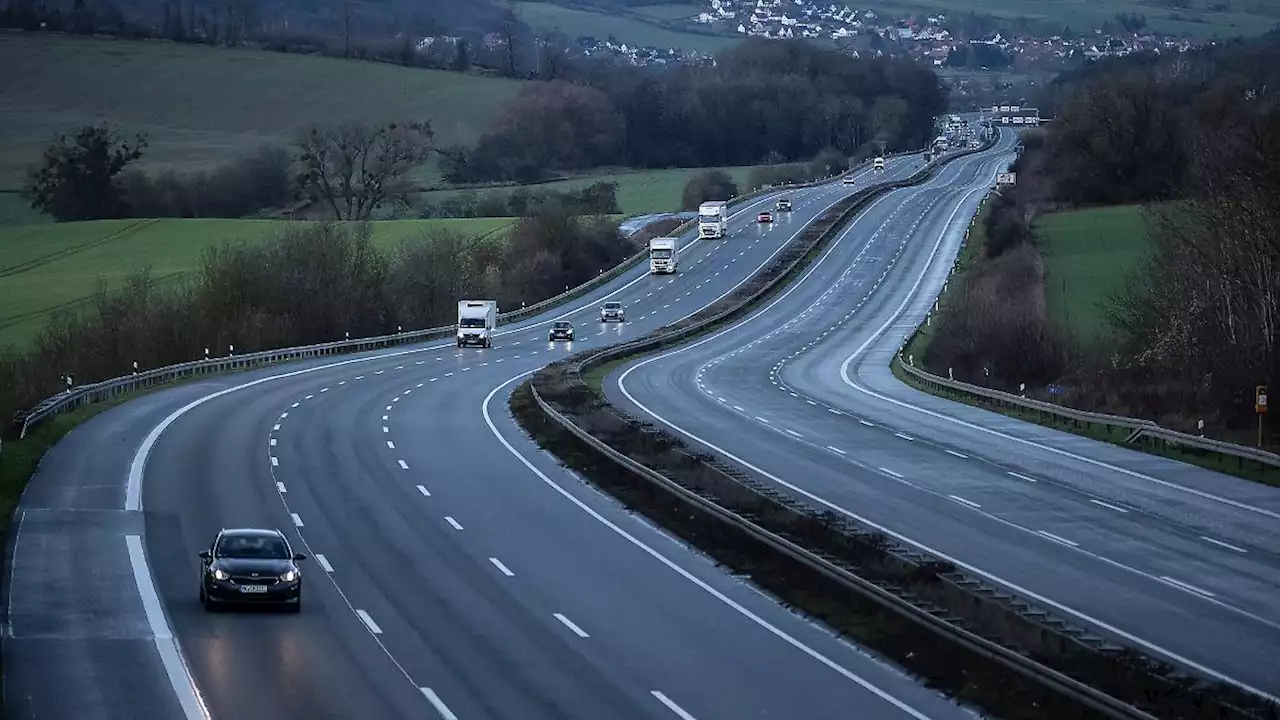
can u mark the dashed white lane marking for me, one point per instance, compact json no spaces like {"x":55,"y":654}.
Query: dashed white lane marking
{"x":391,"y":445}
{"x":324,"y":390}
{"x":812,"y":403}
{"x":569,"y":624}
{"x":961,"y":500}
{"x":308,"y":397}
{"x":454,"y":523}
{"x":836,"y":450}
{"x":388,"y":407}
{"x":794,"y":433}
{"x":297,"y":521}
{"x":1187,"y":586}
{"x":399,"y":367}
{"x":1219,"y":543}
{"x":359,"y":377}
{"x":738,"y":408}
{"x":420,"y":362}
{"x":369,"y":623}
{"x":273,"y":442}
{"x":666,"y":701}
{"x":421,"y":384}
{"x":433,"y":379}
{"x":1059,"y":539}
{"x":280,"y":487}
{"x":833,"y":411}
{"x":275,"y":461}
{"x":766,"y":422}
{"x":887,"y":471}
{"x":284,"y":415}
{"x":406,"y":392}
{"x":276,"y":426}
{"x":962,"y":456}
{"x":324,"y":563}
{"x":403,"y":465}
{"x":342,"y":382}
{"x":424,"y":491}
{"x":386,"y":429}
{"x":395,"y":399}
{"x":295,"y":405}
{"x":1020,"y":476}
{"x":438,"y":704}
{"x":498,"y":564}
{"x":378,"y":372}
{"x":448,"y":374}
{"x":384,"y":418}
{"x":1109,"y":506}
{"x":904,"y":437}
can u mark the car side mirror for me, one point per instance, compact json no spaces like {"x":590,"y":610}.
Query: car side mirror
{"x":299,"y":556}
{"x":205,"y":555}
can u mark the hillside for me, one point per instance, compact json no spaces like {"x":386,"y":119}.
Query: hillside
{"x":201,"y":105}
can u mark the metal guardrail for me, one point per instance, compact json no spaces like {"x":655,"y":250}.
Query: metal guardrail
{"x":1141,"y":429}
{"x":1027,"y":667}
{"x":1011,"y":659}
{"x":106,"y":389}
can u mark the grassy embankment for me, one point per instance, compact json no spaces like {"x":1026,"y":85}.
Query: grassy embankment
{"x":1087,"y":255}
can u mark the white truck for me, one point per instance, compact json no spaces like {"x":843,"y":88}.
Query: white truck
{"x":477,"y":320}
{"x":878,"y":163}
{"x":662,"y":255}
{"x":713,"y":219}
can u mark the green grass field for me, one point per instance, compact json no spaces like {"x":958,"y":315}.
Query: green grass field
{"x":1088,"y":256}
{"x":53,"y":266}
{"x":639,"y":191}
{"x":634,"y":26}
{"x":200,"y":106}
{"x":1084,"y":15}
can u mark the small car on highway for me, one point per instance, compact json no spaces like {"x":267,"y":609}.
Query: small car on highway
{"x":613,"y":310}
{"x":560,"y":330}
{"x":251,"y":565}
{"x":765,"y":217}
{"x":783,"y":205}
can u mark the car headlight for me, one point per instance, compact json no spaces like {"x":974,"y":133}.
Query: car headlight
{"x":290,"y":576}
{"x":220,"y":574}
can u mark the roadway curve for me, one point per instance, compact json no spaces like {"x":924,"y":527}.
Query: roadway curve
{"x":1180,"y":561}
{"x":458,"y":570}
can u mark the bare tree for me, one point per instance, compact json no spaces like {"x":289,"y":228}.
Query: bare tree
{"x":355,"y":167}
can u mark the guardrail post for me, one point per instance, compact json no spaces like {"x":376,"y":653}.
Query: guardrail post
{"x":206,"y":353}
{"x":135,"y":367}
{"x":231,"y":350}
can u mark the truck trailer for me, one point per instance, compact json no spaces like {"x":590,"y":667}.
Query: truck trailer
{"x":477,"y":319}
{"x":713,"y":219}
{"x":662,"y":255}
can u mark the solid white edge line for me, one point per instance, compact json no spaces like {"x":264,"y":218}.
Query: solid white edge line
{"x":438,"y":704}
{"x":670,"y":705}
{"x":368,"y":622}
{"x":1187,"y":586}
{"x":324,"y":563}
{"x":887,"y":471}
{"x":1108,"y":506}
{"x":1020,"y":476}
{"x":962,"y":501}
{"x":962,"y":456}
{"x":911,"y":297}
{"x":690,"y":577}
{"x":1058,"y":538}
{"x":569,"y":624}
{"x":180,"y":677}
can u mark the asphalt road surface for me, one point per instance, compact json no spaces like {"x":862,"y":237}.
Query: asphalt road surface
{"x":456,"y":571}
{"x":1182,"y":562}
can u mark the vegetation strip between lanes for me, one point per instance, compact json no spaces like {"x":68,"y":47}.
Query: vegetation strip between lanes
{"x":934,"y":587}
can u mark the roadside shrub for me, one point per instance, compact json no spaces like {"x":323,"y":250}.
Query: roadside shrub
{"x":707,"y":185}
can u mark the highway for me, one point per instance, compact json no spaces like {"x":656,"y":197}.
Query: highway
{"x":1181,"y":562}
{"x":457,"y":571}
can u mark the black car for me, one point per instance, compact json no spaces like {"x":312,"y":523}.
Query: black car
{"x":250,"y":565}
{"x":560,"y":330}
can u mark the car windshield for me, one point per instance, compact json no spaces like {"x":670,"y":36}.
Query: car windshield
{"x":661,"y":253}
{"x":252,"y":546}
{"x":613,"y":306}
{"x":563,"y":325}
{"x":471,"y":322}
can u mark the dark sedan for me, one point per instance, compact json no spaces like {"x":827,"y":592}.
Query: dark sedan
{"x":250,"y":565}
{"x":560,"y":330}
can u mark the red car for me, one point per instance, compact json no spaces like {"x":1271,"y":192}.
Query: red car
{"x":765,"y":217}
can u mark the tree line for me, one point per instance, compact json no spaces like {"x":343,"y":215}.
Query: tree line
{"x":314,"y":283}
{"x":1195,"y":140}
{"x":763,"y":102}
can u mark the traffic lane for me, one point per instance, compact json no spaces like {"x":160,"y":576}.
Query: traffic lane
{"x":1084,"y":586}
{"x":561,"y":556}
{"x":210,"y":471}
{"x":448,"y":620}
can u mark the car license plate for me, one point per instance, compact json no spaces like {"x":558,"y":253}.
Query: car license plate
{"x":253,"y":588}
